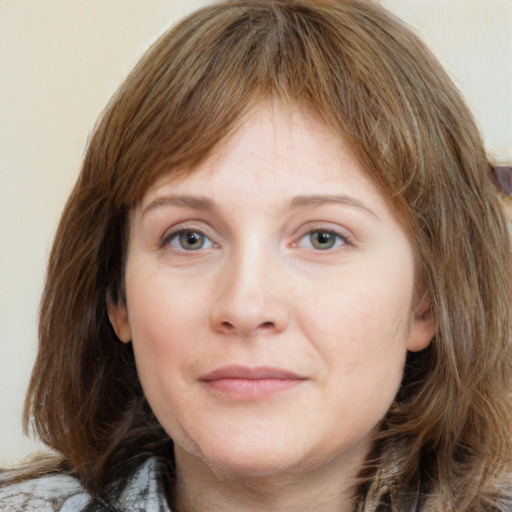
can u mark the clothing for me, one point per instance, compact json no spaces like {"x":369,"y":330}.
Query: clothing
{"x":64,"y":493}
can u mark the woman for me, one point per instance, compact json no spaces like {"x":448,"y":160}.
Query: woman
{"x":281,"y":281}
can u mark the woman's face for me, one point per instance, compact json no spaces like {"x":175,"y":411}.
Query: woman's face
{"x":270,"y":302}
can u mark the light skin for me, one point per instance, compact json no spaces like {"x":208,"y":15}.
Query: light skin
{"x":270,"y":300}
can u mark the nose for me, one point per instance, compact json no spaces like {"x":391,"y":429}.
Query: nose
{"x":250,"y":298}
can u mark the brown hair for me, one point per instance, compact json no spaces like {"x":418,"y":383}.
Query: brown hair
{"x":445,"y":444}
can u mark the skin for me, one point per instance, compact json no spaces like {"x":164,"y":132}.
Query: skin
{"x":298,"y":264}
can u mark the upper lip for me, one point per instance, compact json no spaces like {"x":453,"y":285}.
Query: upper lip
{"x":249,"y":373}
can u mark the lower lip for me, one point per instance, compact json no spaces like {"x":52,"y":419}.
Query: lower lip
{"x":248,"y":389}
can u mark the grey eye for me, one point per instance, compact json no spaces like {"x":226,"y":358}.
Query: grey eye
{"x":322,"y":240}
{"x":189,"y":240}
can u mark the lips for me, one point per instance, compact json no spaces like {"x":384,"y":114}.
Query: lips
{"x":245,"y":372}
{"x":246,"y":383}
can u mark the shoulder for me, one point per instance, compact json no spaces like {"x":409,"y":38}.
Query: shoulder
{"x":50,"y":493}
{"x":144,"y":492}
{"x":62,"y":493}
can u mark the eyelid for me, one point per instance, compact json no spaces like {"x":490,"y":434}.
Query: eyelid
{"x":343,"y":235}
{"x":170,"y":234}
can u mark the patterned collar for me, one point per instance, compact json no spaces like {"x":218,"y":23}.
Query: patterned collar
{"x":63,"y":493}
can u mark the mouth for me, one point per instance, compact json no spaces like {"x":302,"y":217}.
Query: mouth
{"x":249,"y":383}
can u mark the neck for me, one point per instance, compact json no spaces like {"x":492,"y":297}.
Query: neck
{"x":327,"y":487}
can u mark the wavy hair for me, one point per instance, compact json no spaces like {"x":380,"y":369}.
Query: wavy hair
{"x":445,"y":443}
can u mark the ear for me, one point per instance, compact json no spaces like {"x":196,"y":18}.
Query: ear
{"x":118,"y":316}
{"x":423,"y":326}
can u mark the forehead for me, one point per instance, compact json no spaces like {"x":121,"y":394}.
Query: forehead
{"x":276,"y":152}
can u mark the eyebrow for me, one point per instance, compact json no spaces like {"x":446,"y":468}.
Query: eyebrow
{"x":308,"y":201}
{"x":298,"y":202}
{"x":194,"y":202}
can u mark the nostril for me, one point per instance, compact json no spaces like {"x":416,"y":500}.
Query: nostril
{"x":267,"y":324}
{"x":227,"y":325}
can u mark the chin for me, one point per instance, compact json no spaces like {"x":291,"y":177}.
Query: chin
{"x":258,"y":456}
{"x":253,"y":465}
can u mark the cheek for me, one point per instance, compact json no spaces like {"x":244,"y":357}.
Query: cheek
{"x":162,"y":319}
{"x":361,"y":325}
{"x":163,"y":324}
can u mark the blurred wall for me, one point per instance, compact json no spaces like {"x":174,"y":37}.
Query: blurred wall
{"x":59,"y":63}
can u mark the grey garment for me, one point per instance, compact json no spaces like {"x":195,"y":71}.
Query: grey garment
{"x":64,"y":493}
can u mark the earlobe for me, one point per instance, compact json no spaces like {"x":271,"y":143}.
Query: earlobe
{"x":118,"y":317}
{"x":423,"y":326}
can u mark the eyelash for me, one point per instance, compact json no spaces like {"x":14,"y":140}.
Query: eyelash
{"x":175,"y":234}
{"x":339,"y":239}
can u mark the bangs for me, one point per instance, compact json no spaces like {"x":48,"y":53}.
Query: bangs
{"x":199,"y":80}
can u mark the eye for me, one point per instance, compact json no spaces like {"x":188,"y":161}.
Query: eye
{"x":188,"y":240}
{"x":323,"y":240}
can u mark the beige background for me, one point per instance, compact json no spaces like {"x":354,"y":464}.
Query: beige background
{"x":60,"y":60}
